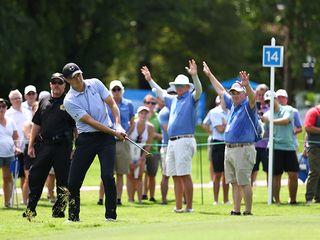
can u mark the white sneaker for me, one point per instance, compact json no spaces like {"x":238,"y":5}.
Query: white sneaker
{"x":178,"y":210}
{"x":110,"y":220}
{"x":215,"y":203}
{"x":228,"y":202}
{"x":188,"y":210}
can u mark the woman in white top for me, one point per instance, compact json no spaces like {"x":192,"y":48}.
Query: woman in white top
{"x":142,"y":132}
{"x":9,"y":143}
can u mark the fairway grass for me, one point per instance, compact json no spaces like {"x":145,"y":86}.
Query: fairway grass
{"x":156,"y":221}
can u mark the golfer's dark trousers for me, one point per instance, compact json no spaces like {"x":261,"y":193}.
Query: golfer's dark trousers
{"x":48,"y":154}
{"x":88,"y":145}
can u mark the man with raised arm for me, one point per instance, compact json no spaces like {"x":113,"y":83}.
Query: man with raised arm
{"x":240,"y":152}
{"x":181,"y":127}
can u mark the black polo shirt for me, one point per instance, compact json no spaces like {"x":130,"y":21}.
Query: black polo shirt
{"x":53,"y":118}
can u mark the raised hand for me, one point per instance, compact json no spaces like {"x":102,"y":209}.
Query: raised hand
{"x":192,"y":69}
{"x":145,"y":71}
{"x":206,"y":69}
{"x":244,"y":76}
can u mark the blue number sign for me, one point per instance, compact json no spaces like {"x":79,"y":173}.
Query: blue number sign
{"x":272,"y":56}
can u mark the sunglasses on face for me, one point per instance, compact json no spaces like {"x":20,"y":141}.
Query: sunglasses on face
{"x":116,"y":89}
{"x":56,"y":81}
{"x":153,"y":103}
{"x":31,"y":93}
{"x":3,"y":106}
{"x":179,"y":85}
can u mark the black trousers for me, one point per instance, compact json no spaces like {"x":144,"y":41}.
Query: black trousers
{"x":48,"y":155}
{"x":88,"y":145}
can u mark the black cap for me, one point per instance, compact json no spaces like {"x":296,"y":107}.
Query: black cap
{"x":57,"y":76}
{"x":4,"y":101}
{"x":70,"y":69}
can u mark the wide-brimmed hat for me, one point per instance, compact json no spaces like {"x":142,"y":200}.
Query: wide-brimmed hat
{"x":181,"y":80}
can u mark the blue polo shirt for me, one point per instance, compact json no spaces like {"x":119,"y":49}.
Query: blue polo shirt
{"x":239,"y":128}
{"x":91,"y":102}
{"x":182,"y":120}
{"x":126,"y":113}
{"x":163,"y":118}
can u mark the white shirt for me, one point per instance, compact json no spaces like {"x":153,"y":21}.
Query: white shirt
{"x":6,"y":140}
{"x":216,"y":117}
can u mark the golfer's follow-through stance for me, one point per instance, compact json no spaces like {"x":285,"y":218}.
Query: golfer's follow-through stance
{"x":85,"y":102}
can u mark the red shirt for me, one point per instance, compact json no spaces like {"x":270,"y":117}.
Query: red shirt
{"x":311,"y":117}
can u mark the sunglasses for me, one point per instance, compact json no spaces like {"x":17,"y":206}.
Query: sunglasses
{"x":179,"y":85}
{"x":153,"y":103}
{"x":3,"y":106}
{"x":57,"y":81}
{"x":31,"y":93}
{"x":116,"y":89}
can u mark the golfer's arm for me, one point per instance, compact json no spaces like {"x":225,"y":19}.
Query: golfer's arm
{"x":160,"y":92}
{"x":97,"y":125}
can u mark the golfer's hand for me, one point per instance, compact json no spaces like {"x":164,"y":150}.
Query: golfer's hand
{"x":31,"y":152}
{"x":119,"y":128}
{"x":192,"y":69}
{"x":120,"y":135}
{"x":206,"y":69}
{"x":146,"y":73}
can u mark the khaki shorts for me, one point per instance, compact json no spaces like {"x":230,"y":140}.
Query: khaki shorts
{"x":238,"y":164}
{"x":123,"y":157}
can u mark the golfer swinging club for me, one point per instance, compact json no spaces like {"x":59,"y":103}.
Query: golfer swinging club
{"x":85,"y":102}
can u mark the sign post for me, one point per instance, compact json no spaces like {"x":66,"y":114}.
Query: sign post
{"x":272,"y":57}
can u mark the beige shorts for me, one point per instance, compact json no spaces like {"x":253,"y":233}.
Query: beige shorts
{"x":179,"y":156}
{"x":123,"y":157}
{"x":238,"y":164}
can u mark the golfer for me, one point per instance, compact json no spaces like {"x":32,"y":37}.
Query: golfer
{"x":85,"y":102}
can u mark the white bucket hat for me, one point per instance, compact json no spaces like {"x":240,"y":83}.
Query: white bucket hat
{"x":181,"y":80}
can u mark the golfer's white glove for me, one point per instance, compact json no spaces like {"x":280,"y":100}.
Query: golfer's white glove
{"x":119,"y":128}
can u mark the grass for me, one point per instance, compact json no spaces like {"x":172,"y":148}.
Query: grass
{"x":155,"y":221}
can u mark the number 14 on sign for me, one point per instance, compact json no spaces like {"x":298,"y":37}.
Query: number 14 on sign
{"x":272,"y":56}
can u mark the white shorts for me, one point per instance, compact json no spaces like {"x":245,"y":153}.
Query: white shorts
{"x":179,"y":156}
{"x":163,"y":153}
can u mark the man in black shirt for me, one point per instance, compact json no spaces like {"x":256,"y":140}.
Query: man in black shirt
{"x":53,"y":129}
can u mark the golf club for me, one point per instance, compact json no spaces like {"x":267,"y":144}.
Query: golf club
{"x":138,"y":146}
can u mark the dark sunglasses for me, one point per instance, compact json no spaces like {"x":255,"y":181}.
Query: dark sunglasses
{"x":57,"y":81}
{"x":116,"y":89}
{"x":31,"y":93}
{"x":3,"y":106}
{"x":153,"y":103}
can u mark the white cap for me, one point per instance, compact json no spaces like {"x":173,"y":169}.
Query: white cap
{"x":29,"y":88}
{"x":181,"y":80}
{"x":141,"y":108}
{"x":282,"y":92}
{"x":237,"y":87}
{"x":116,"y":83}
{"x":268,"y":94}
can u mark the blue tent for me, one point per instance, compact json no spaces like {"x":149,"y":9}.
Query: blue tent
{"x":228,"y":83}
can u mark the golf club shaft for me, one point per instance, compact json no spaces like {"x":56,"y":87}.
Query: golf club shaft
{"x":137,"y":145}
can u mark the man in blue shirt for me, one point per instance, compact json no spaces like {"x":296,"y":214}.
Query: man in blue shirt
{"x":240,"y":152}
{"x":123,"y":157}
{"x":181,"y":126}
{"x":86,"y":103}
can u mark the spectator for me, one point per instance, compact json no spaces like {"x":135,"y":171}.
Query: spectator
{"x":123,"y":157}
{"x":19,"y":116}
{"x":217,"y":121}
{"x":9,"y":146}
{"x":285,"y":157}
{"x":261,"y":146}
{"x":152,"y":163}
{"x":30,"y":95}
{"x":240,"y":152}
{"x":141,"y":132}
{"x":312,"y":126}
{"x":181,"y":127}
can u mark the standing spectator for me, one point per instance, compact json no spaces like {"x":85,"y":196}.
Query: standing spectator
{"x":181,"y":127}
{"x":19,"y":116}
{"x":239,"y":135}
{"x":86,"y":103}
{"x":141,"y":132}
{"x":312,"y":126}
{"x":285,"y":157}
{"x":9,"y":146}
{"x":261,"y":146}
{"x":123,"y":157}
{"x":282,"y":97}
{"x":53,"y":129}
{"x":152,"y":163}
{"x":30,"y":95}
{"x":163,"y":118}
{"x":217,"y":121}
